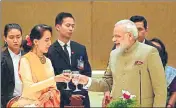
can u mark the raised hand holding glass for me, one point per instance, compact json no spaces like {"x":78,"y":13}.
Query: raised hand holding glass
{"x":65,"y":73}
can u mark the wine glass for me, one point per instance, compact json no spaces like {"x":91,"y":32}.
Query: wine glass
{"x":67,"y":71}
{"x":76,"y":77}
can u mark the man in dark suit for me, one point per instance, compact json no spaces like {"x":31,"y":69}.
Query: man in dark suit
{"x":141,"y":24}
{"x":10,"y":81}
{"x":66,"y":54}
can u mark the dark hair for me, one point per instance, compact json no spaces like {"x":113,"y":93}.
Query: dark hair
{"x":10,"y":26}
{"x":138,"y":18}
{"x":61,"y":16}
{"x":36,"y":33}
{"x":163,"y":51}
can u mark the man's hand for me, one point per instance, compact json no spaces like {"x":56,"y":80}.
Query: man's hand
{"x":107,"y":98}
{"x":82,"y":79}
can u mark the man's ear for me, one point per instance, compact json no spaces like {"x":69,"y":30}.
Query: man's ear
{"x":57,"y":27}
{"x":130,"y":36}
{"x":146,"y":29}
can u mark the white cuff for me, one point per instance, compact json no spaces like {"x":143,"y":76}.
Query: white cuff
{"x":89,"y":83}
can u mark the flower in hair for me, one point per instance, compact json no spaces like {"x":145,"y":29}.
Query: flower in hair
{"x":29,"y":42}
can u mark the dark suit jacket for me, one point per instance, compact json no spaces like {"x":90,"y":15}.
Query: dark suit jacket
{"x":60,"y":63}
{"x":7,"y":77}
{"x":151,"y":44}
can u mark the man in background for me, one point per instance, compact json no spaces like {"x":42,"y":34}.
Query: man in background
{"x":66,"y":54}
{"x":142,"y":26}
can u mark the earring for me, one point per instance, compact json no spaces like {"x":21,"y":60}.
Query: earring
{"x":5,"y":44}
{"x":36,"y":49}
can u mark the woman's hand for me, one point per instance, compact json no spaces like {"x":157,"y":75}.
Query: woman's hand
{"x":172,"y":100}
{"x":66,"y":77}
{"x":44,"y":98}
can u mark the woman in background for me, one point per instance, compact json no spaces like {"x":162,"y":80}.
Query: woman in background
{"x":10,"y":57}
{"x":170,"y":74}
{"x":36,"y":72}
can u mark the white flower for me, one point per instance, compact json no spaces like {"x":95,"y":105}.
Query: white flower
{"x":126,"y":95}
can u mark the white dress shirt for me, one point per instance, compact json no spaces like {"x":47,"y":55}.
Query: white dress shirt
{"x":143,"y":41}
{"x":18,"y":84}
{"x":68,"y":48}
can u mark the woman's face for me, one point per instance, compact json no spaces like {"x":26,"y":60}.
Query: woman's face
{"x":45,"y":42}
{"x":14,"y":39}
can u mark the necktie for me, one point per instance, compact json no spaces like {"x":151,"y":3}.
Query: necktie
{"x":65,"y":50}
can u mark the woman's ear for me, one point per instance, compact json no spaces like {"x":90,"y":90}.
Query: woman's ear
{"x":4,"y":39}
{"x":35,"y":42}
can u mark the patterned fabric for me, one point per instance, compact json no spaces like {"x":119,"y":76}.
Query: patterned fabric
{"x":39,"y":87}
{"x":170,"y":74}
{"x":171,"y":80}
{"x":53,"y":101}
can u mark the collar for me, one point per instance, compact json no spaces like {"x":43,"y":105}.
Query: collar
{"x":134,"y":46}
{"x":143,"y":41}
{"x":12,"y":54}
{"x":62,"y":43}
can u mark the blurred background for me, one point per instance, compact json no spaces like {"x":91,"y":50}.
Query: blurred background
{"x":95,"y":21}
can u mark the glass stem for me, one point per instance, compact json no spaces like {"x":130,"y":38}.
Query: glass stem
{"x":67,"y":85}
{"x":76,"y":87}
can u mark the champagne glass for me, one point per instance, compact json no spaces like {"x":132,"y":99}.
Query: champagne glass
{"x":76,"y":77}
{"x":67,"y":71}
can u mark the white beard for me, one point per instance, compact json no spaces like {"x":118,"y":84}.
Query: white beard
{"x":116,"y":53}
{"x":120,"y":50}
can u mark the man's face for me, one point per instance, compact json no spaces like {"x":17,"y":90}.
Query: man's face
{"x":14,"y":39}
{"x":66,"y":28}
{"x":121,"y":38}
{"x":142,"y":32}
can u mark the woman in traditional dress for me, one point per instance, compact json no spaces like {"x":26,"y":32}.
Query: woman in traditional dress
{"x":36,"y":72}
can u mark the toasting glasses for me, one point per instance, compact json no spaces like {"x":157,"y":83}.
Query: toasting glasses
{"x":67,"y":71}
{"x":75,"y":75}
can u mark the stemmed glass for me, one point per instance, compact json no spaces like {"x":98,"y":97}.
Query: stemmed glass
{"x":67,"y":71}
{"x":76,"y":77}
